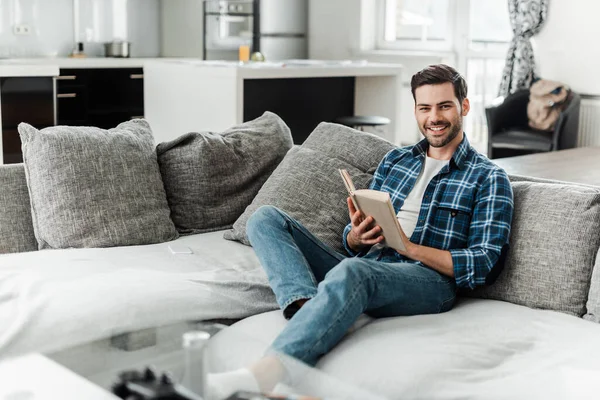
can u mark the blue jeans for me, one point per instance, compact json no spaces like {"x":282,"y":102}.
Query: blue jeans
{"x":340,"y":288}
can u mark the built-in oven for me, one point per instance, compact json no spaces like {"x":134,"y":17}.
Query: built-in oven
{"x":228,"y":24}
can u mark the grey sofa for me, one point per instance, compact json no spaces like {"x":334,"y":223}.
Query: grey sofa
{"x":535,"y":333}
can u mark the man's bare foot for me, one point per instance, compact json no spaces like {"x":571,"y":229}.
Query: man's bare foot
{"x":268,"y":372}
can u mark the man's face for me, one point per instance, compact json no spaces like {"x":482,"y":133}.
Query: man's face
{"x":439,"y":113}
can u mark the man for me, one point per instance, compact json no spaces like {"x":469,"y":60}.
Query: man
{"x":454,"y":206}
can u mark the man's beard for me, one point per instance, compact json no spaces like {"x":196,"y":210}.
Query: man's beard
{"x":455,"y":129}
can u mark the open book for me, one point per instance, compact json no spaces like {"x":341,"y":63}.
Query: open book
{"x":378,"y":205}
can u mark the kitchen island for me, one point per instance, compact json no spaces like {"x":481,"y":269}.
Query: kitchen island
{"x":186,"y":96}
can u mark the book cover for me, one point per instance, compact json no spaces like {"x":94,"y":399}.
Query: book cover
{"x":378,"y":205}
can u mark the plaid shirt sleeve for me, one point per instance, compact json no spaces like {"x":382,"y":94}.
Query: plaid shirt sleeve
{"x":380,"y":174}
{"x":488,"y":233}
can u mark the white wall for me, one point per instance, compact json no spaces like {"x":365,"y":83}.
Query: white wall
{"x":567,"y":48}
{"x":182,"y":28}
{"x":334,"y":28}
{"x":52,"y":26}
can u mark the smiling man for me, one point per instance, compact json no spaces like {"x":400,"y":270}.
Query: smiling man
{"x":454,"y":205}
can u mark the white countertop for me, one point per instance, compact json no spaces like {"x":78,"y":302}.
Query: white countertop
{"x":281,"y":69}
{"x":50,"y":66}
{"x":10,"y":70}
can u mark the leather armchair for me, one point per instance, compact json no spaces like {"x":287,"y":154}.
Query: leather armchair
{"x":509,"y":133}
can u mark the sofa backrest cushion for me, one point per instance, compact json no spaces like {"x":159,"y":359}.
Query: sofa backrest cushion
{"x":308,"y":186}
{"x":210,"y":178}
{"x":593,"y":302}
{"x":91,"y":187}
{"x":16,"y":228}
{"x":553,"y":244}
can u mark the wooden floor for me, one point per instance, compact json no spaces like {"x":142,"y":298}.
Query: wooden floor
{"x":581,"y":165}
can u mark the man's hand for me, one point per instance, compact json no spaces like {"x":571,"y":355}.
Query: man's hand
{"x":362,"y":234}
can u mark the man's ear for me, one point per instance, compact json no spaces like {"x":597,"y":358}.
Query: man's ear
{"x":466,"y":107}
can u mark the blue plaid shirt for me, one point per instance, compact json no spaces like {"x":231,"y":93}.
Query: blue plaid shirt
{"x":466,"y":209}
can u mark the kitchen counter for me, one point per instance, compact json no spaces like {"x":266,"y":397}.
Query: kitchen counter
{"x":192,"y":95}
{"x":50,"y":66}
{"x":283,"y":69}
{"x":12,"y":70}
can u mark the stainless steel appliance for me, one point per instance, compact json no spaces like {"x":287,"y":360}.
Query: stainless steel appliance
{"x":283,"y":25}
{"x":117,"y":49}
{"x":228,"y":24}
{"x":276,"y":28}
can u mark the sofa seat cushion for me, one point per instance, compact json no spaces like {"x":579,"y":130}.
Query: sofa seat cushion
{"x":308,"y":186}
{"x":91,"y":187}
{"x":482,"y":349}
{"x":210,"y":178}
{"x":51,"y":299}
{"x":16,"y":227}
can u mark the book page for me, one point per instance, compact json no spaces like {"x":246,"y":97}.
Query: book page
{"x":349,"y":186}
{"x":347,"y":181}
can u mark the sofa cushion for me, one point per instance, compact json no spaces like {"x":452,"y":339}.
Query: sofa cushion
{"x":52,"y":300}
{"x":308,"y":186}
{"x":593,"y":302}
{"x":553,"y":244}
{"x":210,"y":178}
{"x":91,"y":187}
{"x":482,"y":349}
{"x":16,"y":228}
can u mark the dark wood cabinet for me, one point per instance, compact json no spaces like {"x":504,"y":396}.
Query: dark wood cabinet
{"x":99,"y":97}
{"x":29,"y":99}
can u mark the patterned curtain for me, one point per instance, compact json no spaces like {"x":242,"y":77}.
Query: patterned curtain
{"x":526,"y":18}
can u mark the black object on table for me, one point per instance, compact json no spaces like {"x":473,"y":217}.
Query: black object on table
{"x":134,"y":385}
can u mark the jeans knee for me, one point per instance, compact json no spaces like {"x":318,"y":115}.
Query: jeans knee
{"x":353,"y":269}
{"x":260,"y":217}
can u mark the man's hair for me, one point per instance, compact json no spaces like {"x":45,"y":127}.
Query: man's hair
{"x":438,"y":74}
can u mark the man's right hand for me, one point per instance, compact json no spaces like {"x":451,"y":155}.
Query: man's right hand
{"x":362,"y":234}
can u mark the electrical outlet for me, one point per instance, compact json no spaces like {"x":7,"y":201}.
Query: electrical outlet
{"x":22,"y":29}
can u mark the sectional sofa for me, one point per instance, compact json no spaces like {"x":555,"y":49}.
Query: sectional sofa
{"x":104,"y":232}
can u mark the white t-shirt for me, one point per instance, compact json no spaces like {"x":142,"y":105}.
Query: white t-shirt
{"x":409,"y":213}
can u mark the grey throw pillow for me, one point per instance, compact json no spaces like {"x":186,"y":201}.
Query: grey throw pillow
{"x":308,"y":186}
{"x":91,"y":187}
{"x":16,"y":228}
{"x":593,"y":302}
{"x":553,"y":244}
{"x":210,"y":178}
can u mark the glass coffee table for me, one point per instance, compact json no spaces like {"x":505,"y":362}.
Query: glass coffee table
{"x":187,"y":352}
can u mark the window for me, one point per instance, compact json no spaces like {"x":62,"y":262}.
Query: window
{"x":489,"y":25}
{"x":417,"y":24}
{"x":443,"y":24}
{"x":476,"y":33}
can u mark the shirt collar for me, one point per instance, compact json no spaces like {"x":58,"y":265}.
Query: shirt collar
{"x":459,"y":156}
